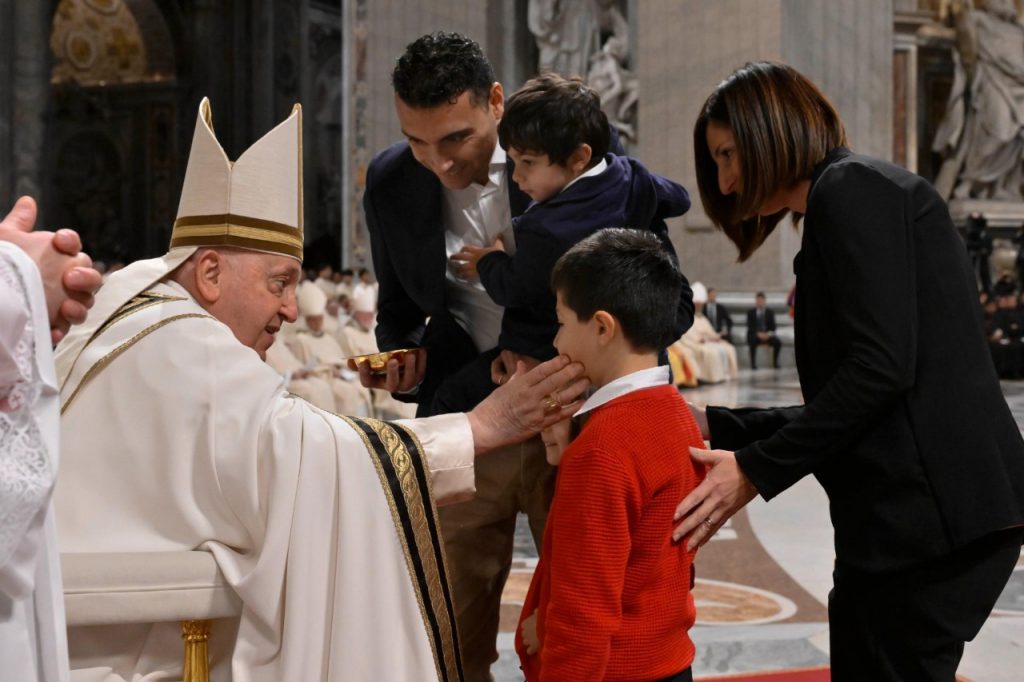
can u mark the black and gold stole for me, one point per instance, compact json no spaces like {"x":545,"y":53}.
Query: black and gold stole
{"x":398,"y":457}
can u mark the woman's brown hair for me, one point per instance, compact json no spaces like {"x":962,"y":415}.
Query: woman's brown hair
{"x":783,"y":127}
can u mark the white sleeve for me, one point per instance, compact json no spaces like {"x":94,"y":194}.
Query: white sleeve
{"x":447,"y":442}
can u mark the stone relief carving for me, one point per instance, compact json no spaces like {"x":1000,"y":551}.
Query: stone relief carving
{"x":569,"y":41}
{"x":982,"y":134}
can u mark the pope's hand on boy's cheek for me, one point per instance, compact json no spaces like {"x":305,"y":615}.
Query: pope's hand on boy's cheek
{"x":530,"y":634}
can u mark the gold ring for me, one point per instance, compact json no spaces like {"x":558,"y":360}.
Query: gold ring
{"x":709,"y":523}
{"x":551,"y":404}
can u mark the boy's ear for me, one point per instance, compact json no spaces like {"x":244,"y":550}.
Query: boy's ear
{"x":580,"y":158}
{"x":607,"y":327}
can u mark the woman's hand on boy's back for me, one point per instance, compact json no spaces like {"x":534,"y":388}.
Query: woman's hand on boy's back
{"x":465,"y":260}
{"x":556,"y":440}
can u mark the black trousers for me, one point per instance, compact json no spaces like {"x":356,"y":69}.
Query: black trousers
{"x":912,"y":625}
{"x":683,"y":676}
{"x":772,"y":341}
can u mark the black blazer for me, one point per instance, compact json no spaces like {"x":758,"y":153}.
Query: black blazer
{"x":722,"y":322}
{"x":752,"y":327}
{"x":403,"y":204}
{"x":904,"y":425}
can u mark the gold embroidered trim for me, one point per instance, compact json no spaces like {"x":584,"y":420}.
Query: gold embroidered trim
{"x":112,"y":355}
{"x":147,"y":299}
{"x":238,"y":226}
{"x":140,"y":302}
{"x":402,"y":463}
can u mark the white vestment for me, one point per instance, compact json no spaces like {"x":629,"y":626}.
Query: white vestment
{"x":33,"y":646}
{"x":324,"y":527}
{"x":320,"y":385}
{"x":714,"y":360}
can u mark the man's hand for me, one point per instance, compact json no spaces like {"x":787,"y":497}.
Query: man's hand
{"x":401,"y":377}
{"x":68,"y":277}
{"x":530,"y":638}
{"x":723,"y":492}
{"x":527,"y":403}
{"x":504,"y":366}
{"x":466,"y":259}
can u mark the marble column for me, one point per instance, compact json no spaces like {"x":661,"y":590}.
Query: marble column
{"x":686,"y":47}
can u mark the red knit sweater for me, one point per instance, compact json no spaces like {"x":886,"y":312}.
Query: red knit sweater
{"x":611,"y":589}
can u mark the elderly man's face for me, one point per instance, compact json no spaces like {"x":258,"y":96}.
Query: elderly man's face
{"x":257,"y":297}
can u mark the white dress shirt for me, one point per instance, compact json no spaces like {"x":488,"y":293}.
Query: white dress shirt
{"x":477,"y":215}
{"x":635,"y":381}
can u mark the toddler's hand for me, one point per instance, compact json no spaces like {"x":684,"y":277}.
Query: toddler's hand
{"x":530,"y":634}
{"x":556,"y":439}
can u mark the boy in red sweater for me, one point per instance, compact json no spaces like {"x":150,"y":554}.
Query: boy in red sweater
{"x":610,"y":598}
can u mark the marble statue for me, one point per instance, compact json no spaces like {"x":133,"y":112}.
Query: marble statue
{"x":982,"y":134}
{"x":567,"y":33}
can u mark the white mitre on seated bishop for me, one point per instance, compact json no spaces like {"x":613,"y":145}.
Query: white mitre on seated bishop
{"x":178,"y":437}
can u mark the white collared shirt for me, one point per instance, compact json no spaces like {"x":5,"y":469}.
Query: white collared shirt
{"x":596,"y":170}
{"x":635,"y":381}
{"x":477,"y":215}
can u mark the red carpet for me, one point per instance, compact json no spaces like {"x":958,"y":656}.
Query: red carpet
{"x":804,"y":675}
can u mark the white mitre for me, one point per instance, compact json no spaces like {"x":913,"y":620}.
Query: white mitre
{"x":254,"y":203}
{"x":364,"y":300}
{"x":700,"y":293}
{"x":311,"y":299}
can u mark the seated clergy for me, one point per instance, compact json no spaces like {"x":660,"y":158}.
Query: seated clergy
{"x":320,"y":353}
{"x":177,"y":436}
{"x":303,"y":381}
{"x":715,"y":359}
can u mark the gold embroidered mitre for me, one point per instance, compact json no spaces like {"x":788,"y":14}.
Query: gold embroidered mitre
{"x":254,"y":203}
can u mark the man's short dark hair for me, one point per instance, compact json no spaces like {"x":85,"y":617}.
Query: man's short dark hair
{"x":760,"y":294}
{"x":437,"y":68}
{"x":629,"y":274}
{"x":554,"y":115}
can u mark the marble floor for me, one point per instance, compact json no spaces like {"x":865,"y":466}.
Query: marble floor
{"x":763,"y":581}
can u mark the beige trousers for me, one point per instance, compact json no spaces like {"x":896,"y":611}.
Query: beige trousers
{"x":479,"y":537}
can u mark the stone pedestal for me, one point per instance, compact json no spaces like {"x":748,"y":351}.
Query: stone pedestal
{"x":686,"y":47}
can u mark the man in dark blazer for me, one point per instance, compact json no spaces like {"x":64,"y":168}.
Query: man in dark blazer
{"x":718,"y":315}
{"x":448,"y":184}
{"x":761,"y":331}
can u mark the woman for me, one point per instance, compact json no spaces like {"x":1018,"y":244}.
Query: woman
{"x":904,"y":424}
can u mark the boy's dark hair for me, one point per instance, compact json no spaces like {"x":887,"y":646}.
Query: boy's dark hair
{"x":437,"y":68}
{"x":347,"y":271}
{"x":555,"y":115}
{"x":629,"y":274}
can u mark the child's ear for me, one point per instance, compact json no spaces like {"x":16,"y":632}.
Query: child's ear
{"x":607,"y":327}
{"x":580,"y":158}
